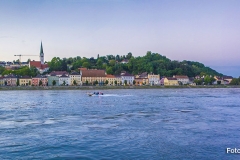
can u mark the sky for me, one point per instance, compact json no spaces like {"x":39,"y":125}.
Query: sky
{"x":196,"y":30}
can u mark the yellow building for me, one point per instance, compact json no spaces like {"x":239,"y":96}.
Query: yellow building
{"x":169,"y":81}
{"x":111,"y":80}
{"x":75,"y":77}
{"x":2,"y":82}
{"x":92,"y":76}
{"x":25,"y":81}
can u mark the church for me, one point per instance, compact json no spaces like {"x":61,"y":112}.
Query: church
{"x":40,"y":64}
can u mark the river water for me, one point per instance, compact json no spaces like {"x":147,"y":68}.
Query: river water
{"x":122,"y":124}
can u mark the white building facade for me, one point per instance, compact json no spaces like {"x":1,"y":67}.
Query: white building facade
{"x":64,"y":80}
{"x":127,"y":77}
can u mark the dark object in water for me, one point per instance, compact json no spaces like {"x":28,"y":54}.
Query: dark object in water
{"x":95,"y":93}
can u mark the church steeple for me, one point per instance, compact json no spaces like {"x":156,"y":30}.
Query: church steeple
{"x":41,"y":54}
{"x":41,"y":49}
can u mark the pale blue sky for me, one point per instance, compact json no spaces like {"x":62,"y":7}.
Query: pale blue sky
{"x":196,"y":30}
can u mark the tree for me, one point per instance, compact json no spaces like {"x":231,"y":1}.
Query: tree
{"x":17,"y":82}
{"x":134,"y":82}
{"x":129,"y":55}
{"x":86,"y":82}
{"x":99,"y":63}
{"x":218,"y":82}
{"x":115,"y":82}
{"x":5,"y":82}
{"x":125,"y":82}
{"x":40,"y":83}
{"x":109,"y":70}
{"x":29,"y":83}
{"x":198,"y":81}
{"x":74,"y":82}
{"x":85,"y":65}
{"x":106,"y":82}
{"x":234,"y":81}
{"x":120,"y":82}
{"x":64,"y":83}
{"x":112,"y":62}
{"x":55,"y":64}
{"x":96,"y":82}
{"x":53,"y":82}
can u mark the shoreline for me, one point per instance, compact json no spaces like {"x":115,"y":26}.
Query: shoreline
{"x":6,"y":88}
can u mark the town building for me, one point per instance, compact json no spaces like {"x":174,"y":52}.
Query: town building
{"x":40,"y":80}
{"x":113,"y":80}
{"x":64,"y":80}
{"x":90,"y":76}
{"x":153,"y":79}
{"x":228,"y":78}
{"x":11,"y":80}
{"x":126,"y":77}
{"x":59,"y":73}
{"x":75,"y":76}
{"x":170,"y":81}
{"x":141,"y":79}
{"x":182,"y":79}
{"x":2,"y":81}
{"x":40,"y":65}
{"x":52,"y":78}
{"x":25,"y":81}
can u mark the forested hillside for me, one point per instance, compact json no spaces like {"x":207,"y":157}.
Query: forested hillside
{"x":151,"y":63}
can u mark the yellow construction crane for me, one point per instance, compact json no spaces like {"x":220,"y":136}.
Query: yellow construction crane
{"x":20,"y":55}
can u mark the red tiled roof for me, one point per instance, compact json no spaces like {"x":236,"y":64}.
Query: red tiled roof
{"x":25,"y":77}
{"x":181,"y":76}
{"x":93,"y":73}
{"x":38,"y":64}
{"x":171,"y":78}
{"x":58,"y":73}
{"x":82,"y":69}
{"x":110,"y":76}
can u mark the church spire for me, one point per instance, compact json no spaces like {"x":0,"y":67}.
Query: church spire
{"x":41,"y":49}
{"x":41,"y":54}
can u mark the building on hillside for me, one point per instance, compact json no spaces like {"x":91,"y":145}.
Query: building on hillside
{"x":40,"y":64}
{"x":129,"y":78}
{"x":25,"y":81}
{"x":113,"y":80}
{"x":64,"y":80}
{"x":52,"y":78}
{"x":59,"y":73}
{"x":11,"y":80}
{"x":124,"y":61}
{"x":92,"y":75}
{"x":75,"y":76}
{"x":182,"y":79}
{"x":154,"y":79}
{"x":2,"y":82}
{"x":40,"y":80}
{"x":170,"y":81}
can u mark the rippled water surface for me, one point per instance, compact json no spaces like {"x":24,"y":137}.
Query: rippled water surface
{"x":122,"y":124}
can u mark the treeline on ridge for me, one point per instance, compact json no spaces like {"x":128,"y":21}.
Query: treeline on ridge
{"x":151,"y":63}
